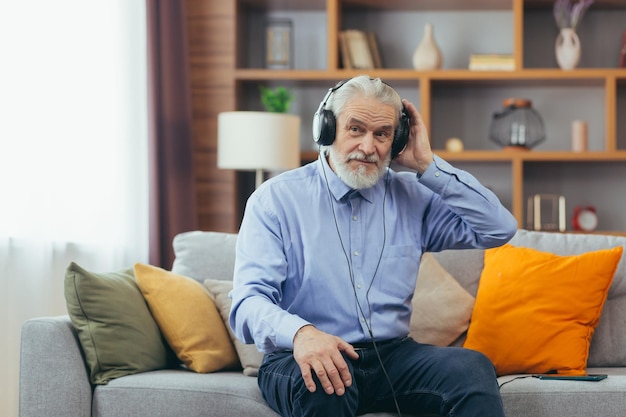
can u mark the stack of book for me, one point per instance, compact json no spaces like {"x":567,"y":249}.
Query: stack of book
{"x":359,"y":50}
{"x":491,"y":62}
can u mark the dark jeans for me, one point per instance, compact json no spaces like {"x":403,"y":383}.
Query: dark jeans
{"x":446,"y":381}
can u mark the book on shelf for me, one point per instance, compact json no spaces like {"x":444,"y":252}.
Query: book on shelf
{"x":622,"y":52}
{"x":359,"y":50}
{"x":344,"y":51}
{"x":491,"y":62}
{"x":373,"y":44}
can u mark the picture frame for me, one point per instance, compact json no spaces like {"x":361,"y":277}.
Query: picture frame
{"x":359,"y":50}
{"x":546,"y":212}
{"x":279,"y":44}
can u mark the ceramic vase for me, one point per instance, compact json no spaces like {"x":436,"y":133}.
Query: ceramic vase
{"x":427,"y":56}
{"x":567,"y":49}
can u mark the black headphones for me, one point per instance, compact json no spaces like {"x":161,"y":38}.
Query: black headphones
{"x":325,"y":125}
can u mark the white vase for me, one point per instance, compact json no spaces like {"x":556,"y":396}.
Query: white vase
{"x":567,"y":49}
{"x":427,"y":55}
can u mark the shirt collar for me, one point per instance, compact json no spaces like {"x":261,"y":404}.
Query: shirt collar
{"x":337,"y":187}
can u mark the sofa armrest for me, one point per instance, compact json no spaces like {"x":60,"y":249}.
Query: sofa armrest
{"x":54,"y":381}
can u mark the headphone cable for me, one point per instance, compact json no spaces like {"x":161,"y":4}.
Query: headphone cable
{"x":368,"y":323}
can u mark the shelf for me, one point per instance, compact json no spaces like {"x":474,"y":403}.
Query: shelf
{"x":456,"y":102}
{"x":549,"y":4}
{"x":452,"y":75}
{"x":595,"y":232}
{"x":548,"y":74}
{"x":286,"y":4}
{"x":487,"y":156}
{"x":308,"y":156}
{"x":430,"y":4}
{"x":455,"y":5}
{"x":509,"y":156}
{"x":293,"y":75}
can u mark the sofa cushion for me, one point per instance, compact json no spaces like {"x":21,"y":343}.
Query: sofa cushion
{"x":211,"y":255}
{"x":536,"y":312}
{"x":183,"y":393}
{"x":201,"y":255}
{"x":116,"y":330}
{"x":441,"y":307}
{"x":249,"y":355}
{"x":172,"y":392}
{"x":526,"y":396}
{"x":188,"y":318}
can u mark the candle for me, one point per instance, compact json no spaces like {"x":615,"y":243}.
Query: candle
{"x":579,"y":136}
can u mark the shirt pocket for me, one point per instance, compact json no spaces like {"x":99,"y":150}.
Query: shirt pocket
{"x":398,"y":271}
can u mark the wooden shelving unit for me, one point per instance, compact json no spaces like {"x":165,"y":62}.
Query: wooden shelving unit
{"x":597,"y":86}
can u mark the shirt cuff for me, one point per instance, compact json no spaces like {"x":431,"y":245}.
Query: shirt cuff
{"x":440,"y":173}
{"x":289,"y":328}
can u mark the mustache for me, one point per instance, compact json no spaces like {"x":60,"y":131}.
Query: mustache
{"x":360,"y":156}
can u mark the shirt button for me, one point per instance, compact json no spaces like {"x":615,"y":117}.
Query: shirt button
{"x":355,"y":218}
{"x":437,"y":174}
{"x":356,"y":253}
{"x":362,"y":319}
{"x":358,"y":286}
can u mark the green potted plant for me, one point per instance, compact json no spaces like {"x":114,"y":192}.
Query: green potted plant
{"x":276,"y":100}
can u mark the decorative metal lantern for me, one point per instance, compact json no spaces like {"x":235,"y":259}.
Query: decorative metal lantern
{"x":517,"y":126}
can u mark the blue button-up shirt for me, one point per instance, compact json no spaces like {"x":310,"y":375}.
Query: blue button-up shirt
{"x":313,"y":251}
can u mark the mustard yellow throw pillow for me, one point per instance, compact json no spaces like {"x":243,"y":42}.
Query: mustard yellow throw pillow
{"x":188,"y":319}
{"x":536,"y":312}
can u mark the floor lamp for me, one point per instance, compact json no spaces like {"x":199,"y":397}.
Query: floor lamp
{"x":258,"y":141}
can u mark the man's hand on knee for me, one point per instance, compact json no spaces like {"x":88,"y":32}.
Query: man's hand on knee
{"x":320,"y":353}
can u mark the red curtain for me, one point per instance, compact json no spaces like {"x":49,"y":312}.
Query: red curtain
{"x":172,"y":185}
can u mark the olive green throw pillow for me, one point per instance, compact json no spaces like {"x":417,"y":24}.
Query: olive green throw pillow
{"x":116,"y":330}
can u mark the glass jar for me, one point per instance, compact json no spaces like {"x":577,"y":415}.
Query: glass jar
{"x":518,"y":126}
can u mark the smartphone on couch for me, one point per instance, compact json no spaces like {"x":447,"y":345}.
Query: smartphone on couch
{"x":590,"y":377}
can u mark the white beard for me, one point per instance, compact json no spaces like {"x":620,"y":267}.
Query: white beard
{"x":358,"y":178}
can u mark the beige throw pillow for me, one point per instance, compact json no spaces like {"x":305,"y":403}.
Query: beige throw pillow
{"x":249,"y":357}
{"x":441,"y":307}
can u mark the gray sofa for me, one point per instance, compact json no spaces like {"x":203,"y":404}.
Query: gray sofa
{"x":54,"y":381}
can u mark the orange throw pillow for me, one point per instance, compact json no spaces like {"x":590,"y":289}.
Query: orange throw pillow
{"x":536,"y":312}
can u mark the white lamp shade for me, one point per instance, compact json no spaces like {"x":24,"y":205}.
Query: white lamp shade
{"x":249,"y":140}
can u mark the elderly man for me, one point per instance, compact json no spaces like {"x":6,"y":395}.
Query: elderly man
{"x":327,"y":258}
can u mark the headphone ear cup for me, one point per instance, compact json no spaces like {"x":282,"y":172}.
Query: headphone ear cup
{"x":400,"y":136}
{"x":316,"y":125}
{"x":327,"y":128}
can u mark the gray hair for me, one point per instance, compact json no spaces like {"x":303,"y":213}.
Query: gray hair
{"x":364,"y":87}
